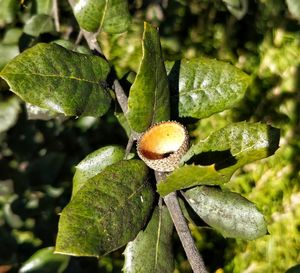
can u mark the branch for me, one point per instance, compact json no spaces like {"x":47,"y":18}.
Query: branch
{"x":121,"y":96}
{"x":182,"y":229}
{"x":56,"y":15}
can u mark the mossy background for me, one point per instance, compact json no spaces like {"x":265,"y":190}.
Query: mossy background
{"x":37,"y":158}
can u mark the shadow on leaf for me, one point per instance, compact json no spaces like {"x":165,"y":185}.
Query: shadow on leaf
{"x":221,"y":159}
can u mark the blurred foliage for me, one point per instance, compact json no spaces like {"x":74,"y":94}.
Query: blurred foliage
{"x":38,"y":158}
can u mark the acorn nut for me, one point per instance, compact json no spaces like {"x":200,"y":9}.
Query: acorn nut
{"x":162,"y":145}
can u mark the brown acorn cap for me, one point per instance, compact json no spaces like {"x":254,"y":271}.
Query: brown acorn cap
{"x":162,"y":145}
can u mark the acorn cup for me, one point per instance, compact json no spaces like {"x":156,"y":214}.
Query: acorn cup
{"x":162,"y":146}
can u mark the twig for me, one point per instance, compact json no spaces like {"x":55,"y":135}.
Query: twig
{"x":79,"y":38}
{"x":182,"y":229}
{"x":129,"y":146}
{"x":121,"y":96}
{"x":56,"y":15}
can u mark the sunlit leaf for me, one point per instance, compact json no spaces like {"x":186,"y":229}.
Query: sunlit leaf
{"x":108,"y":211}
{"x":227,"y":212}
{"x":217,"y":157}
{"x":206,"y":86}
{"x":234,"y":146}
{"x":148,"y":100}
{"x":108,"y":15}
{"x":94,"y":163}
{"x":151,"y":251}
{"x":39,"y":24}
{"x":188,"y":176}
{"x":54,"y":78}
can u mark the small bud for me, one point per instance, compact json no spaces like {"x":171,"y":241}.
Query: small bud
{"x":162,"y":145}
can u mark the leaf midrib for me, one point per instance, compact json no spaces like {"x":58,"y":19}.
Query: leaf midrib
{"x":49,"y":76}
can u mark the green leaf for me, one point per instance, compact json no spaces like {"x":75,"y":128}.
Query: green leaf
{"x":7,"y":52}
{"x":221,"y":154}
{"x":8,"y":11}
{"x":12,"y":36}
{"x":227,"y":212}
{"x":9,"y":111}
{"x":39,"y":24}
{"x":151,"y":251}
{"x":95,"y":163}
{"x":54,"y":78}
{"x":234,"y":146}
{"x":71,"y":46}
{"x":124,"y":50}
{"x":294,"y":8}
{"x":189,"y":176}
{"x":111,"y":16}
{"x":44,"y":6}
{"x":108,"y":211}
{"x":148,"y":100}
{"x":44,"y":260}
{"x":206,"y":86}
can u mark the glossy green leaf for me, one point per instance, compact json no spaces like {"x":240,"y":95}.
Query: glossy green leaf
{"x":206,"y":86}
{"x":151,"y":251}
{"x":95,"y":163}
{"x":234,"y":146}
{"x":8,"y":11}
{"x":44,"y":260}
{"x":108,"y":211}
{"x":148,"y":100}
{"x":219,"y":155}
{"x":294,"y":8}
{"x":189,"y":176}
{"x":39,"y":24}
{"x":54,"y":78}
{"x":9,"y":111}
{"x":111,"y":16}
{"x":229,"y":213}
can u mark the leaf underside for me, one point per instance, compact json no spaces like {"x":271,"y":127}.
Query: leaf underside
{"x":227,"y":212}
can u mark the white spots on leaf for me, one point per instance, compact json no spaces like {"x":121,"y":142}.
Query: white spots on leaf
{"x":80,"y":5}
{"x":192,"y":201}
{"x":53,"y":106}
{"x":142,"y":199}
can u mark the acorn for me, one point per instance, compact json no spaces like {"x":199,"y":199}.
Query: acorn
{"x":162,"y":146}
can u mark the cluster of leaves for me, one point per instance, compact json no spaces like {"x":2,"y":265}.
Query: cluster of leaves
{"x":94,"y":223}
